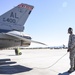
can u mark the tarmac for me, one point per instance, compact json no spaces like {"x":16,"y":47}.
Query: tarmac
{"x":35,"y":62}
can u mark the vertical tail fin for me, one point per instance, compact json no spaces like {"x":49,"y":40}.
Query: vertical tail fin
{"x":15,"y":18}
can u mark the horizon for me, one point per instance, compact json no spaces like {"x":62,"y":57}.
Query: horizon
{"x":48,"y":21}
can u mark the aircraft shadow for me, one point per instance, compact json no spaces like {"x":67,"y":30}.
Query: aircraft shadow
{"x":6,"y":61}
{"x":6,"y":68}
{"x":11,"y":55}
{"x":13,"y":69}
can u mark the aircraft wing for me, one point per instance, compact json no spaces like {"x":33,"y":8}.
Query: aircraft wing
{"x":23,"y":38}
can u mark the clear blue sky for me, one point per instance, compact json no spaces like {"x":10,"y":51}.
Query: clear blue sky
{"x":48,"y":21}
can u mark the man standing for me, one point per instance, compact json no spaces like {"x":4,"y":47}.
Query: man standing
{"x":71,"y":49}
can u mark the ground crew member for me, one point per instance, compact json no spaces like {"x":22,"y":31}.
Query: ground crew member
{"x":71,"y":49}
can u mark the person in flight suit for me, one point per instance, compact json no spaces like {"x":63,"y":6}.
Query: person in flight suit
{"x":71,"y":49}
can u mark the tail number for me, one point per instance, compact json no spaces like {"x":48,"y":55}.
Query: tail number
{"x":10,"y":20}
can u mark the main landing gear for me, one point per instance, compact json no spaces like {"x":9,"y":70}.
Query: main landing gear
{"x":17,"y":51}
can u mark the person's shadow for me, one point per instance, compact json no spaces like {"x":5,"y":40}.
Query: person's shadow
{"x":64,"y":73}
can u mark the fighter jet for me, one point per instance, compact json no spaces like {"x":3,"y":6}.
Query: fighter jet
{"x":12,"y":27}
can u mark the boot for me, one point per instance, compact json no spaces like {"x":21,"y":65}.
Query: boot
{"x":71,"y":70}
{"x":74,"y":68}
